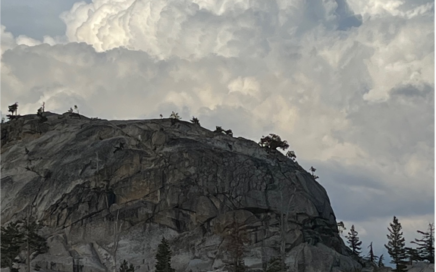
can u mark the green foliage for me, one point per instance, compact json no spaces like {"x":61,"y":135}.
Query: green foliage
{"x":312,"y":172}
{"x":175,"y":115}
{"x":11,"y":241}
{"x":425,"y":248}
{"x":163,"y":257}
{"x":195,"y":121}
{"x":220,"y":130}
{"x":37,"y":243}
{"x":273,"y":142}
{"x":371,"y":257}
{"x":275,"y":265}
{"x":125,"y":267}
{"x":291,"y":155}
{"x":353,"y":241}
{"x":412,"y":254}
{"x":236,"y":237}
{"x":13,"y":108}
{"x":40,"y":114}
{"x":18,"y":236}
{"x":396,"y":246}
{"x":341,"y":227}
{"x":380,"y":261}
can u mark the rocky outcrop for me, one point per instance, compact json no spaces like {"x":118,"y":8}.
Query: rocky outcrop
{"x":106,"y":189}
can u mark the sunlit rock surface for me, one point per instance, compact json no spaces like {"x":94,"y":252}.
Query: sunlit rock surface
{"x":172,"y":179}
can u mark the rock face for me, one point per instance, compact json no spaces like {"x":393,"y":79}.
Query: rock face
{"x":110,"y":190}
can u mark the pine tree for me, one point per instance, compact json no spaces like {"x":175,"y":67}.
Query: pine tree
{"x":426,"y":244}
{"x":380,"y":261}
{"x":126,"y":268}
{"x":353,"y":241}
{"x":195,"y":121}
{"x":396,"y":246}
{"x":412,"y":254}
{"x":273,"y":142}
{"x":34,"y":244}
{"x":163,"y":257}
{"x":371,"y":257}
{"x":236,"y":238}
{"x":11,"y":242}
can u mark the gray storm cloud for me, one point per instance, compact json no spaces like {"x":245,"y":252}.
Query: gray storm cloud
{"x":349,"y":84}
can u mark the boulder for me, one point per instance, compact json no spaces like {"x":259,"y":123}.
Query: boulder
{"x":102,"y":204}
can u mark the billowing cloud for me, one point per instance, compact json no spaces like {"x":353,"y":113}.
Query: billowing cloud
{"x":195,"y":28}
{"x":350,"y":85}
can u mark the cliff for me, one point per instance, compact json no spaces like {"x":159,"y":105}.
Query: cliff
{"x":103,"y":188}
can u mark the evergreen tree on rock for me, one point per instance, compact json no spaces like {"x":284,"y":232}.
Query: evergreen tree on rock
{"x":11,"y":242}
{"x":413,"y":255}
{"x":353,"y":241}
{"x":33,"y":243}
{"x":236,"y":238}
{"x":396,"y":246}
{"x":163,"y":257}
{"x":425,"y":245}
{"x":380,"y":261}
{"x":371,"y":257}
{"x":126,"y":268}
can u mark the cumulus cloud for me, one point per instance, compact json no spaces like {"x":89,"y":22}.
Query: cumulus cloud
{"x":349,"y":84}
{"x":7,"y":39}
{"x":195,"y":28}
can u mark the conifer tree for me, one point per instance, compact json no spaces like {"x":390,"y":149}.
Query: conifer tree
{"x":174,"y":117}
{"x":380,"y":261}
{"x":396,"y":246}
{"x":11,"y":242}
{"x":425,"y":245}
{"x":236,"y":238}
{"x":126,"y":268}
{"x":341,"y":227}
{"x":273,"y":142}
{"x":13,"y":108}
{"x":195,"y":121}
{"x":353,"y":241}
{"x":312,"y":171}
{"x":40,"y":114}
{"x":33,"y":243}
{"x":371,"y":257}
{"x":163,"y":257}
{"x":412,"y":254}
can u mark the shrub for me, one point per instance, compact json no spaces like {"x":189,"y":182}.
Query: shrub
{"x":273,"y":142}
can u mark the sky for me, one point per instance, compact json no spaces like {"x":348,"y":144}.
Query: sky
{"x":348,"y":83}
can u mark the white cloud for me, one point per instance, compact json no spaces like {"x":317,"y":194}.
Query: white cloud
{"x":343,"y":91}
{"x":24,"y":40}
{"x":7,"y":40}
{"x":193,"y":29}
